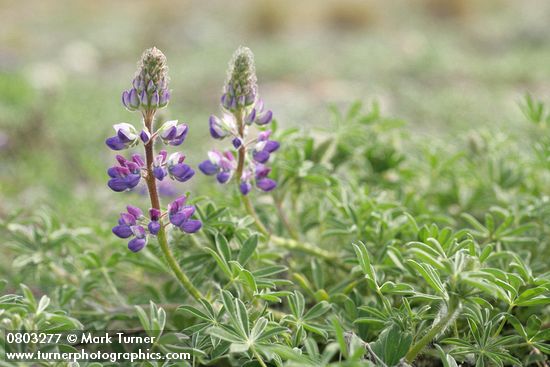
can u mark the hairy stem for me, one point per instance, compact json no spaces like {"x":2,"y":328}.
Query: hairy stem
{"x":288,"y":243}
{"x":431,"y":334}
{"x":258,"y":357}
{"x":155,"y":203}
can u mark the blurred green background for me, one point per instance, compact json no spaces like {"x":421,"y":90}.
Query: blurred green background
{"x":444,"y":66}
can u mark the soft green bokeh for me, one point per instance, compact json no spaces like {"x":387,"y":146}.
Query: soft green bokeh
{"x":443,"y":66}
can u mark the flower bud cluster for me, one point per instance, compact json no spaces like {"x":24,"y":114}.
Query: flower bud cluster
{"x":241,"y":87}
{"x":150,"y":85}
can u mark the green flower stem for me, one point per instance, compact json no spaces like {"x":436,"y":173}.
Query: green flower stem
{"x":155,"y":203}
{"x":430,"y":335}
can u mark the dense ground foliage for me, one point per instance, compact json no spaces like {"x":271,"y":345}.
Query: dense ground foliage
{"x":409,"y":231}
{"x":427,"y":253}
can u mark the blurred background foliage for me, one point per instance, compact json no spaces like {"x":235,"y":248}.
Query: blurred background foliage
{"x":443,"y":66}
{"x":395,"y":117}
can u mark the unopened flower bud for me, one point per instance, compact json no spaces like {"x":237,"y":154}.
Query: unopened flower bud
{"x":150,"y":83}
{"x":164,"y":98}
{"x":240,"y":88}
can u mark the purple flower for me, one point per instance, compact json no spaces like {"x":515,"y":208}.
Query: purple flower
{"x":180,"y":215}
{"x":172,"y":133}
{"x":245,"y":187}
{"x":154,"y":225}
{"x":221,"y":165}
{"x":237,"y":143}
{"x":145,"y":136}
{"x":159,"y":169}
{"x":127,"y":175}
{"x":259,"y":115}
{"x":130,"y":99}
{"x":216,"y":129}
{"x":259,"y":177}
{"x":264,"y":147}
{"x":128,"y":226}
{"x":178,"y":170}
{"x":164,"y":98}
{"x":266,"y":184}
{"x":126,"y":137}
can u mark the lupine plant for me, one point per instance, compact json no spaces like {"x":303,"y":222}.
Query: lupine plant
{"x":149,"y":93}
{"x":363,"y":246}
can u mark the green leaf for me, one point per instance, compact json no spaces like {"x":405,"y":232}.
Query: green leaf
{"x":143,"y":318}
{"x":364,"y":260}
{"x":223,"y":247}
{"x":318,"y":310}
{"x":339,"y":333}
{"x":247,"y":249}
{"x":400,"y":288}
{"x":296,"y":302}
{"x":222,"y":264}
{"x":430,"y":276}
{"x":43,"y":304}
{"x":446,"y":358}
{"x":249,"y":280}
{"x":195,"y":312}
{"x":242,"y":317}
{"x":533,"y":296}
{"x":224,"y":334}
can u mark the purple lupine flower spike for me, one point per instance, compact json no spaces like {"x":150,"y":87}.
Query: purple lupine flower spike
{"x":148,"y":93}
{"x":242,"y":107}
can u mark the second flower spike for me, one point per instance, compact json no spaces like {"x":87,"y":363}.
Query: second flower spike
{"x":241,"y":107}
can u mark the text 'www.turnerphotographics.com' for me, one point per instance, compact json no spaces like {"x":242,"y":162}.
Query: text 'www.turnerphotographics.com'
{"x":99,"y":346}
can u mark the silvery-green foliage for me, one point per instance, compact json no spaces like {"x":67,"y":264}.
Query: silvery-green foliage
{"x":423,"y":253}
